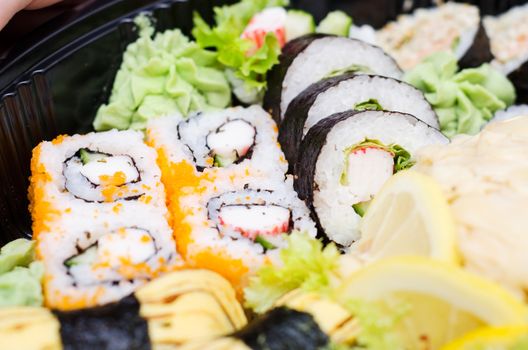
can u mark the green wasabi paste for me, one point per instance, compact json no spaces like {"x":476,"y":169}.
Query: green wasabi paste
{"x":20,"y":276}
{"x":162,"y":75}
{"x":463,"y":100}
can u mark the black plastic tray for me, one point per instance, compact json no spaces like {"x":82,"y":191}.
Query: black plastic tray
{"x":55,"y":84}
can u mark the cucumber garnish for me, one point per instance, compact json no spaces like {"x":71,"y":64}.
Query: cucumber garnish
{"x":85,"y":258}
{"x":264,"y":243}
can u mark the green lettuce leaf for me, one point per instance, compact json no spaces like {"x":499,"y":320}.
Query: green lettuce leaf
{"x":232,"y":50}
{"x":369,"y":105}
{"x":305,"y":264}
{"x":377,"y":324}
{"x":464,"y":101}
{"x":163,"y":75}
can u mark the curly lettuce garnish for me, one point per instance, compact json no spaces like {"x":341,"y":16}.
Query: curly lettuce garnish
{"x":378,"y":324}
{"x":225,"y":38}
{"x":305,"y":264}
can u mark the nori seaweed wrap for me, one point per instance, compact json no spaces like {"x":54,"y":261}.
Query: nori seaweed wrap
{"x":282,"y":329}
{"x":314,"y":57}
{"x":347,"y":92}
{"x":115,"y":326}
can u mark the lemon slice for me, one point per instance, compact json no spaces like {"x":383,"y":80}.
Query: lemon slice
{"x":442,"y":301}
{"x":409,"y":216}
{"x":504,"y":338}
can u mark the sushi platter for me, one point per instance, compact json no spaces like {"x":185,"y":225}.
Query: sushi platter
{"x":253,"y":176}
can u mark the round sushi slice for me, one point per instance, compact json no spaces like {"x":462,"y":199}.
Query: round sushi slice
{"x":509,"y":44}
{"x":449,"y":27}
{"x":314,"y":57}
{"x":346,"y":158}
{"x":234,"y":141}
{"x":108,"y":167}
{"x":345,"y":92}
{"x":99,"y":258}
{"x":233,"y":227}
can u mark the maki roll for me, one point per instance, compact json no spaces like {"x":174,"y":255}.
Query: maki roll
{"x":86,"y":192}
{"x":509,"y":44}
{"x":311,"y":58}
{"x":181,"y":307}
{"x":346,"y":158}
{"x":235,"y":226}
{"x":345,"y":92}
{"x":449,"y":27}
{"x":233,"y":142}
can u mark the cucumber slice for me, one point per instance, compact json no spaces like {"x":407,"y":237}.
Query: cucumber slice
{"x":264,"y":243}
{"x":361,"y":207}
{"x":369,"y":105}
{"x":85,"y":258}
{"x":298,"y":23}
{"x":87,"y":156}
{"x":336,"y":23}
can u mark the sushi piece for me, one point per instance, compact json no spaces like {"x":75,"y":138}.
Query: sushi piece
{"x":509,"y":44}
{"x":109,"y":167}
{"x":345,"y":92}
{"x":99,"y":217}
{"x":235,"y":226}
{"x":510,"y":113}
{"x":347,"y":157}
{"x":311,"y":58}
{"x":236,"y":141}
{"x":181,"y":307}
{"x":449,"y":27}
{"x":279,"y":329}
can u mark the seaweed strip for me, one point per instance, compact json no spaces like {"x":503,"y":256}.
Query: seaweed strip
{"x":519,"y":79}
{"x":479,"y":51}
{"x":115,"y":326}
{"x":282,"y":329}
{"x":276,"y":75}
{"x":291,"y":128}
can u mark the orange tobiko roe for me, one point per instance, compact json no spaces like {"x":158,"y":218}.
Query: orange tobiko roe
{"x":178,"y":178}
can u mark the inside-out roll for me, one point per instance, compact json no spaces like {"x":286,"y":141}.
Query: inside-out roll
{"x":346,"y":158}
{"x":234,"y":141}
{"x":234,"y":227}
{"x":99,"y":217}
{"x":311,"y":58}
{"x":449,"y":27}
{"x":346,"y":92}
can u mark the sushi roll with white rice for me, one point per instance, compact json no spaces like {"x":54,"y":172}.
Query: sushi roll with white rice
{"x":509,"y":44}
{"x":234,"y":141}
{"x":345,"y":92}
{"x":449,"y":27}
{"x":346,"y":158}
{"x":234,"y":227}
{"x":99,"y":217}
{"x":311,"y":58}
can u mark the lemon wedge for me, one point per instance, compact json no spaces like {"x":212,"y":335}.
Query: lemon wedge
{"x":504,"y":338}
{"x":409,"y":216}
{"x":442,"y":301}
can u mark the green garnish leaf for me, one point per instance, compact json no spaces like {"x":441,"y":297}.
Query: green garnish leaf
{"x":305,"y":264}
{"x":402,"y":158}
{"x":225,"y":38}
{"x":267,"y":245}
{"x":369,"y":105}
{"x":377,"y":323}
